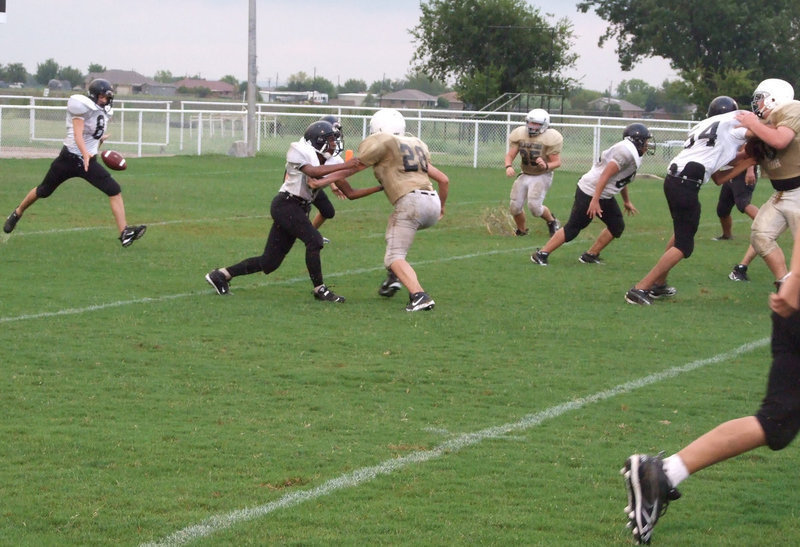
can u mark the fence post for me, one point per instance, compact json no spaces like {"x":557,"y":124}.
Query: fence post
{"x":141,"y":133}
{"x":199,"y":133}
{"x":475,"y":144}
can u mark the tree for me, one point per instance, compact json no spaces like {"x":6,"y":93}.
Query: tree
{"x":71,"y":74}
{"x":15,"y":72}
{"x":638,"y":92}
{"x":489,"y":47}
{"x":420,"y":81}
{"x":46,"y":71}
{"x":353,"y":86}
{"x":95,"y":68}
{"x":165,"y":77}
{"x":706,"y":40}
{"x":230,"y":80}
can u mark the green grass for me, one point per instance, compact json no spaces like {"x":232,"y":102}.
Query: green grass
{"x":138,"y":403}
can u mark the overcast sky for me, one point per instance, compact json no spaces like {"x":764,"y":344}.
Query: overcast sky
{"x":338,"y":40}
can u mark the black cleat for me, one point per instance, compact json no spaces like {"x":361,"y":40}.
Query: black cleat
{"x":323,"y":293}
{"x":662,"y":291}
{"x":589,"y":258}
{"x":11,"y":222}
{"x":218,"y":280}
{"x":420,"y":301}
{"x":739,"y":273}
{"x":540,"y":258}
{"x":638,"y":296}
{"x":390,"y":285}
{"x":131,"y":234}
{"x":649,"y":494}
{"x":553,"y":226}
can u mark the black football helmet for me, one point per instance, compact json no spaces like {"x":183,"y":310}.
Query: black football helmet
{"x":721,"y":105}
{"x":100,"y":87}
{"x":337,"y":128}
{"x":318,"y":135}
{"x":641,"y":138}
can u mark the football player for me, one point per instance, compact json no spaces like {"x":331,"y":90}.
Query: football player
{"x":87,"y":121}
{"x":539,"y":147}
{"x":325,"y":209}
{"x":775,"y":120}
{"x":306,"y":160}
{"x":402,"y":165}
{"x":594,"y":196}
{"x":713,"y":144}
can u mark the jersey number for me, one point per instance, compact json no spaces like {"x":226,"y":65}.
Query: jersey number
{"x":709,"y":134}
{"x":413,"y":158}
{"x":100,"y":128}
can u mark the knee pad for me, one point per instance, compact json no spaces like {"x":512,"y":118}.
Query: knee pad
{"x":779,"y":433}
{"x":514,"y":208}
{"x":536,"y":209}
{"x":762,"y":243}
{"x":616,"y":231}
{"x":686,"y":247}
{"x":570,"y":232}
{"x":44,"y":192}
{"x":742,"y":204}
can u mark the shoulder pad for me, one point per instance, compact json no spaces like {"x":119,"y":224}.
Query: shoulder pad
{"x":78,"y":105}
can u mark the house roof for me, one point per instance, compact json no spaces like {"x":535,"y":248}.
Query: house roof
{"x":216,"y":86}
{"x":623,"y":105}
{"x":123,"y":77}
{"x":409,"y":95}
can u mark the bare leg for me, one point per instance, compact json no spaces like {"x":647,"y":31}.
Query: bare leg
{"x":658,"y":275}
{"x":318,"y":220}
{"x":727,"y":227}
{"x":554,"y":242}
{"x":118,"y":210}
{"x":29,"y":199}
{"x":601,"y":242}
{"x":406,"y":274}
{"x":519,"y":219}
{"x":724,"y":441}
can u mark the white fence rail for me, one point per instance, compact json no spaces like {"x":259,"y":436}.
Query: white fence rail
{"x":29,"y":128}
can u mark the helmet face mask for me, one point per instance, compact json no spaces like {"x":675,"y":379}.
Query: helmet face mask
{"x":101,"y":88}
{"x":387,"y":120}
{"x":337,"y":130}
{"x":721,"y":105}
{"x":322,"y":138}
{"x":641,"y":138}
{"x":537,"y":121}
{"x":770,"y":93}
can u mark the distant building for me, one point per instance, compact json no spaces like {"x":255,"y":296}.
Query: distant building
{"x":296,"y":97}
{"x":129,"y":82}
{"x":454,"y":103}
{"x":606,"y":105}
{"x":217,"y":88}
{"x":407,"y":98}
{"x":350,"y":99}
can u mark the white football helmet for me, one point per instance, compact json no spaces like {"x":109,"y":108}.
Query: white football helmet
{"x":537,"y":120}
{"x":387,"y":120}
{"x":773,"y":92}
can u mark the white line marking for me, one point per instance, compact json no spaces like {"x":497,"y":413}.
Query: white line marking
{"x":165,"y":298}
{"x":216,"y":523}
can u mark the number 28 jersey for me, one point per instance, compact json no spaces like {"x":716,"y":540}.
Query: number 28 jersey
{"x":95,"y":120}
{"x":400,"y":163}
{"x":530,"y":148}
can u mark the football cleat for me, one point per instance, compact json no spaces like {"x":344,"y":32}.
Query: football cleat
{"x":722,"y":237}
{"x":662,"y":291}
{"x":131,"y":234}
{"x":553,"y":226}
{"x":540,"y":258}
{"x":589,"y":258}
{"x":218,"y":280}
{"x":649,"y":493}
{"x":739,"y":273}
{"x":519,"y":232}
{"x":638,"y":296}
{"x":390,"y":285}
{"x":420,"y":301}
{"x":11,"y":222}
{"x":323,"y":293}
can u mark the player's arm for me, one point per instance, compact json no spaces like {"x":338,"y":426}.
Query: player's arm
{"x":776,"y":137}
{"x":513,"y":150}
{"x":627,"y":203}
{"x":740,"y":164}
{"x":606,"y":176}
{"x":319,"y":171}
{"x":78,"y":124}
{"x":357,"y":193}
{"x":786,"y":301}
{"x":551,"y":162}
{"x":442,"y":183}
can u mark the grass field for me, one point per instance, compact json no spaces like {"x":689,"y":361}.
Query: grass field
{"x":139,"y":406}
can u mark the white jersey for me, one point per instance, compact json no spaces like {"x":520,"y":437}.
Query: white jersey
{"x":627,"y":158}
{"x":95,"y":120}
{"x":294,"y":180}
{"x":712,"y":143}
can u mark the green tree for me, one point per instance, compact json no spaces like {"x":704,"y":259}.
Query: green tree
{"x":15,"y":72}
{"x":95,"y":68}
{"x":46,"y":71}
{"x":637,"y":92}
{"x":705,"y":40}
{"x":71,"y":74}
{"x":353,"y":86}
{"x":489,"y":47}
{"x":165,"y":77}
{"x":230,"y":80}
{"x":420,"y":81}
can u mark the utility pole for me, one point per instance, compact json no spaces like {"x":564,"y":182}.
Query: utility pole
{"x":252,"y":75}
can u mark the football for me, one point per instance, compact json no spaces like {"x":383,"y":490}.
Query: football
{"x":114,"y":160}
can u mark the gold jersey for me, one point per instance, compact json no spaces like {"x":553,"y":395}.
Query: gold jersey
{"x":400,"y":163}
{"x":786,"y":163}
{"x":548,"y":143}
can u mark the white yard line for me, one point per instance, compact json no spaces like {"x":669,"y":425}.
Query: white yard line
{"x":216,"y":523}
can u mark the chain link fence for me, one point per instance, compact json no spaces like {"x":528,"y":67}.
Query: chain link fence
{"x":35,"y":127}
